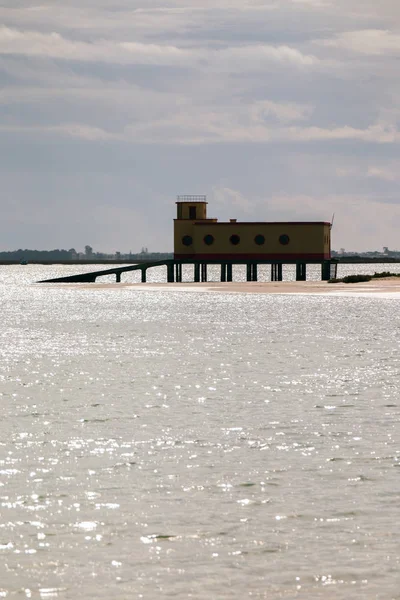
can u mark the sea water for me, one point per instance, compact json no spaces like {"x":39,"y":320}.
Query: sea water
{"x":209,"y":445}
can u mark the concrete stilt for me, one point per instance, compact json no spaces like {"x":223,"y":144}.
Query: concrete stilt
{"x":325,"y":270}
{"x":223,"y":271}
{"x":170,"y":273}
{"x":144,"y":273}
{"x":249,"y":272}
{"x":301,"y":272}
{"x":204,"y":272}
{"x":273,"y":272}
{"x":276,"y":272}
{"x":118,"y":277}
{"x":229,"y":272}
{"x":255,"y":273}
{"x":178,"y":272}
{"x":197,"y":272}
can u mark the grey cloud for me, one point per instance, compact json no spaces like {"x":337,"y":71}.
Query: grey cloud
{"x":277,"y":109}
{"x":367,"y":41}
{"x":53,"y":45}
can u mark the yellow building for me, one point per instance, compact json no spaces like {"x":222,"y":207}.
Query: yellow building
{"x":197,"y":237}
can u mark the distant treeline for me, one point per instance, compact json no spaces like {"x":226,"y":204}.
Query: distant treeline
{"x":36,"y":255}
{"x":366,"y":259}
{"x":65,"y":255}
{"x":90,"y":256}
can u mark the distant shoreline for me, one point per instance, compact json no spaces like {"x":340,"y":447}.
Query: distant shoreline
{"x":137,"y":261}
{"x":99,"y":261}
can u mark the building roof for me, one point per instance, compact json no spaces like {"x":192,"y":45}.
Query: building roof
{"x":235,"y":223}
{"x":192,"y":199}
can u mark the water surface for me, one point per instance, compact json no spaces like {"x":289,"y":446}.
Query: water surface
{"x":178,"y":445}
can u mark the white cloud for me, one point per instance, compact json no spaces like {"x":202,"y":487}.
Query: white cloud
{"x":391,"y":173}
{"x":299,"y":206}
{"x":242,"y":57}
{"x":196,"y":126}
{"x":73,"y":130}
{"x":388,"y":172}
{"x":284,"y":112}
{"x":367,"y":41}
{"x":347,"y":171}
{"x":216,"y":127}
{"x":227,"y":197}
{"x":133,"y":18}
{"x":374,"y":133}
{"x":53,"y":45}
{"x":313,"y":3}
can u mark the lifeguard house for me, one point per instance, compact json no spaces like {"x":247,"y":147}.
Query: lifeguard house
{"x":197,"y":237}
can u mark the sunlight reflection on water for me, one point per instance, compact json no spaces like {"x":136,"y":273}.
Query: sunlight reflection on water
{"x":211,"y":445}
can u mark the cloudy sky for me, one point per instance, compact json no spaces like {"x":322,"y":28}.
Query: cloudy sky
{"x":276,"y":109}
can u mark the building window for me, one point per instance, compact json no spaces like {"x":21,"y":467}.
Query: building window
{"x":259,"y":240}
{"x":208,"y":239}
{"x":234,"y":239}
{"x":284,"y":239}
{"x":192,"y":212}
{"x":187,"y":240}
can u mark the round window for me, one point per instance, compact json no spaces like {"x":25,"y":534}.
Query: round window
{"x":187,"y":240}
{"x":259,"y":240}
{"x":234,"y":239}
{"x":208,"y":239}
{"x":284,"y":239}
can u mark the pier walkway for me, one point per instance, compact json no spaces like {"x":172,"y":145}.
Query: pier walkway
{"x":174,"y":270}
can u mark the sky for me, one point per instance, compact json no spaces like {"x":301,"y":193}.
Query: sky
{"x":275,"y":109}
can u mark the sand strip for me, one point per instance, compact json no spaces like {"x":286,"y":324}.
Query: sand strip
{"x":390,"y":287}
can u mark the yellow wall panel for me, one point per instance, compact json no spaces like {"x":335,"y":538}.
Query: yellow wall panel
{"x":304,"y":240}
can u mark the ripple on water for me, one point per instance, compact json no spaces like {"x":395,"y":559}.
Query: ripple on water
{"x":174,"y":440}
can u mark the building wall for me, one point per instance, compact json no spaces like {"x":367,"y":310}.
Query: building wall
{"x":181,"y":229}
{"x":186,"y":209}
{"x":304,"y":240}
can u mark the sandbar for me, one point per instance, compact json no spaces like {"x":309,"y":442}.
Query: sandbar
{"x":389,"y":287}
